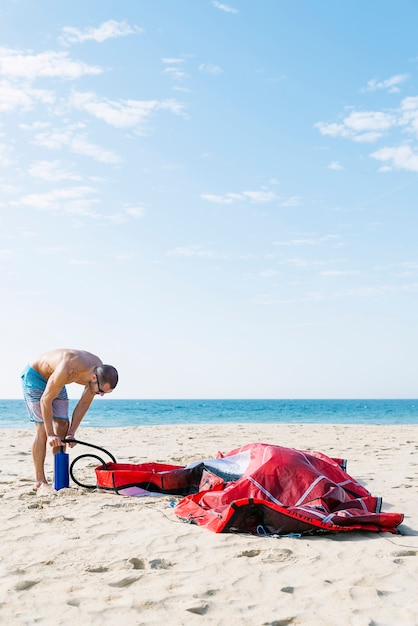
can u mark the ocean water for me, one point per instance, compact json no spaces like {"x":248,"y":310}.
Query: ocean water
{"x":108,"y":413}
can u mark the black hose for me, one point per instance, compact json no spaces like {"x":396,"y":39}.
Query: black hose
{"x":82,"y":456}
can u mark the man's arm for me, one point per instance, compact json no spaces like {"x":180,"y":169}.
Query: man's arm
{"x":55,"y":383}
{"x":80,"y":410}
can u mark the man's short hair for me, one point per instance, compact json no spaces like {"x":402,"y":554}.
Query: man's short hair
{"x":107,"y":374}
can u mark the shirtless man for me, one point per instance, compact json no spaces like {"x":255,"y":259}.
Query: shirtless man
{"x":43,"y":382}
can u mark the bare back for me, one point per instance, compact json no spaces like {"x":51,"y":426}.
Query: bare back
{"x":66,"y":366}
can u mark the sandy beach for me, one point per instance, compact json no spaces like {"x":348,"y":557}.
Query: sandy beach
{"x":93,"y":557}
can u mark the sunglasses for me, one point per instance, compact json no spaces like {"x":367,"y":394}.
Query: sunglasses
{"x":99,"y":389}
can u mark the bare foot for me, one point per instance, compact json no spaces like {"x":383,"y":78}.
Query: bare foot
{"x":43,"y":488}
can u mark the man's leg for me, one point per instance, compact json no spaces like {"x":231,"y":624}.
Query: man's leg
{"x":60,"y":429}
{"x":38,"y":454}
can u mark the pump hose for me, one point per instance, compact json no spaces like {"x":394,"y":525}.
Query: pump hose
{"x":83,"y":456}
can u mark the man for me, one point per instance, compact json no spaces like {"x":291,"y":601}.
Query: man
{"x":45,"y":394}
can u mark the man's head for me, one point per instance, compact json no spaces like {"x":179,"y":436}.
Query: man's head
{"x":106,"y":378}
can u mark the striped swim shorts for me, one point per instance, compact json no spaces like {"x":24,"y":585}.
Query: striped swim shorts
{"x":33,"y":385}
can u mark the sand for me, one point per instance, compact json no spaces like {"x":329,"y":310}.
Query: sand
{"x":91,"y":557}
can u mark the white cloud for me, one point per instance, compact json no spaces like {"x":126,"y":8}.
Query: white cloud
{"x":106,"y":30}
{"x":135,"y":211}
{"x":335,"y":165}
{"x":365,"y":121}
{"x":390,"y":84}
{"x":311,"y":240}
{"x":175,"y":73}
{"x":172,"y":61}
{"x":369,"y":126}
{"x":18,"y":64}
{"x":208,"y":68}
{"x":360,"y":125}
{"x":211,"y":197}
{"x":224,"y":7}
{"x":22,"y":97}
{"x":6,"y":254}
{"x":75,"y":200}
{"x":53,"y":250}
{"x":123,"y":113}
{"x":409,"y":115}
{"x":6,"y":158}
{"x":338,"y":273}
{"x":269,"y":273}
{"x":77,"y":143}
{"x":256,"y":197}
{"x":34,"y":126}
{"x":190,"y":251}
{"x":380,"y":290}
{"x":80,"y":145}
{"x":51,"y":171}
{"x":8,"y":189}
{"x":126,"y":214}
{"x":292,"y":201}
{"x":398,"y":158}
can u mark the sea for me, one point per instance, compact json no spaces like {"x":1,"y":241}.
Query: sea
{"x":108,"y":413}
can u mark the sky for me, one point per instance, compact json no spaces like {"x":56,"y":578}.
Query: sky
{"x":217,"y":198}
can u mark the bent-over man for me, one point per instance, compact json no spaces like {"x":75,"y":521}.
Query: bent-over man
{"x":44,"y":381}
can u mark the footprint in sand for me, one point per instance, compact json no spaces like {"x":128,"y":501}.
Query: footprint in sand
{"x":279,"y":555}
{"x":24,"y":585}
{"x":401,"y":554}
{"x":287,"y":621}
{"x":125,"y":582}
{"x":199,"y":609}
{"x":249,"y":553}
{"x":160,"y":564}
{"x":405,"y":553}
{"x":97,"y":570}
{"x":137,"y":563}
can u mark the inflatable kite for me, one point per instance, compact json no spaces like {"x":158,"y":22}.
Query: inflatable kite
{"x":259,"y":489}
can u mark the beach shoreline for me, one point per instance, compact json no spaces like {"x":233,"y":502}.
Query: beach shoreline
{"x":96,"y":557}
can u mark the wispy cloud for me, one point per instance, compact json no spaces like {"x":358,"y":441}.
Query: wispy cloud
{"x":390,"y":84}
{"x":190,"y":251}
{"x":292,"y":201}
{"x":6,"y":155}
{"x":335,"y":165}
{"x":374,"y":291}
{"x":208,"y":68}
{"x":22,"y":97}
{"x":122,"y":113}
{"x":397,"y":158}
{"x":127,"y":214}
{"x":224,"y":7}
{"x":256,"y":197}
{"x":339,"y":273}
{"x":76,"y":142}
{"x":364,"y":126}
{"x":172,"y":68}
{"x":311,"y":240}
{"x":371,"y":126}
{"x":172,"y":60}
{"x":75,"y":200}
{"x":51,"y":64}
{"x":175,"y":73}
{"x":51,"y":171}
{"x":106,"y":30}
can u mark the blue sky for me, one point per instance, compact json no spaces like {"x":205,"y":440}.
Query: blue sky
{"x":220,"y":199}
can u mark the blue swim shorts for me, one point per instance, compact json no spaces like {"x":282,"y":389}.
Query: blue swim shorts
{"x":33,"y":385}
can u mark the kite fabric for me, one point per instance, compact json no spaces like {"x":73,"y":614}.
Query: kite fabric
{"x":259,"y":489}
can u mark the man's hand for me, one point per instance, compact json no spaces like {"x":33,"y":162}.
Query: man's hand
{"x":68,"y":441}
{"x":54,"y":441}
